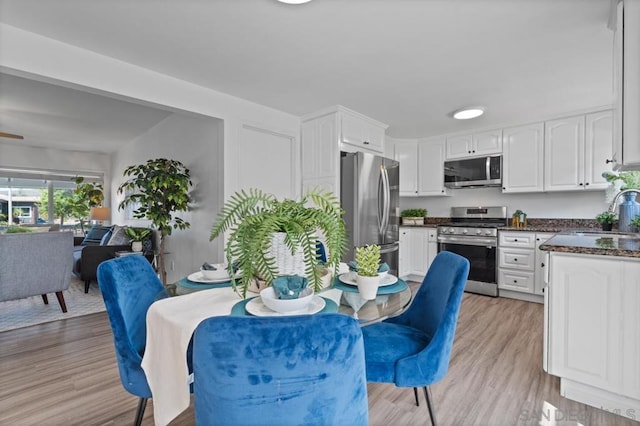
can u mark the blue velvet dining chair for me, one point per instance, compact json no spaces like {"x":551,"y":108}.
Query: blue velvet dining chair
{"x":129,"y":285}
{"x":296,"y":370}
{"x":413,"y":349}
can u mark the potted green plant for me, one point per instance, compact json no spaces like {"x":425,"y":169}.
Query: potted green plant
{"x":367,"y":278}
{"x":413,"y":216}
{"x":269,"y":237}
{"x":606,"y":219}
{"x":635,"y":222}
{"x":86,"y":196}
{"x":160,"y":189}
{"x":136,"y":235}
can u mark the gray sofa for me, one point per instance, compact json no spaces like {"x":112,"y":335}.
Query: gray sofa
{"x":35,"y":263}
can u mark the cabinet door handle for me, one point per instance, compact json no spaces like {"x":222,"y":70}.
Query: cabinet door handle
{"x":608,"y":161}
{"x":515,"y":281}
{"x":515,"y":260}
{"x":366,"y":142}
{"x":580,"y":184}
{"x":542,"y":265}
{"x":586,"y":184}
{"x":515,"y":239}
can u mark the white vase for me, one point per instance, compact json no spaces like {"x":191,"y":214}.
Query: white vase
{"x":136,"y":246}
{"x":287,"y":263}
{"x":368,"y":286}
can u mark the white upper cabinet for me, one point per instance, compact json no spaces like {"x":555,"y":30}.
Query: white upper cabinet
{"x":421,"y":167}
{"x":576,"y":152}
{"x":406,"y":154}
{"x":362,"y":132}
{"x":325,"y":134}
{"x":564,"y":154}
{"x":523,"y":159}
{"x":598,"y":150}
{"x":431,"y":167}
{"x":474,"y":145}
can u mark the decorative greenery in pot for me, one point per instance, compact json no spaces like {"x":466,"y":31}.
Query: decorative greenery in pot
{"x":160,"y":188}
{"x":86,"y":196}
{"x":136,"y":235}
{"x":606,"y":219}
{"x":257,"y":221}
{"x":367,"y":279}
{"x":413,"y":216}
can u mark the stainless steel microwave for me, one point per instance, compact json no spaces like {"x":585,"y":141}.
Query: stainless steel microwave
{"x":473,"y":172}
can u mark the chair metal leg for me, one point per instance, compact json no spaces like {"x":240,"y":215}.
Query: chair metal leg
{"x":428,"y":397}
{"x":142,"y":404}
{"x":415,"y":393}
{"x":45,"y":299}
{"x":87,"y":283}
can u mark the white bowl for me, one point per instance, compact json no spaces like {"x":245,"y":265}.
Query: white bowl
{"x":219,"y":274}
{"x":382,"y":274}
{"x":284,"y":306}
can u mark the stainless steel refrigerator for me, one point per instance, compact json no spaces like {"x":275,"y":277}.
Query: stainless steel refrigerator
{"x":370,"y":197}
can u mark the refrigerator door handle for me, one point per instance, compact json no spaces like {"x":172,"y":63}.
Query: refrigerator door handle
{"x":387,"y":200}
{"x":381,"y":196}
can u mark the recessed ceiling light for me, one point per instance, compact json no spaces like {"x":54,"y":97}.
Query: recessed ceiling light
{"x":294,"y":1}
{"x":469,"y":112}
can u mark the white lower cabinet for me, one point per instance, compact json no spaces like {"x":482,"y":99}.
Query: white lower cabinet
{"x":418,"y":247}
{"x":518,"y":272}
{"x":594,"y":329}
{"x":541,"y":263}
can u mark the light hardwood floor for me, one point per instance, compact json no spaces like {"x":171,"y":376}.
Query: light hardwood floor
{"x":65,"y":373}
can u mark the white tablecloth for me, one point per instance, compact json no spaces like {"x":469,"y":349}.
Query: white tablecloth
{"x":170,"y":325}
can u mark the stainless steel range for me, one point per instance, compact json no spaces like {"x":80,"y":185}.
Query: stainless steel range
{"x":473,"y":233}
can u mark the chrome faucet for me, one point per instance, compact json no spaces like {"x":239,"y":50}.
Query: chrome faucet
{"x":614,"y":203}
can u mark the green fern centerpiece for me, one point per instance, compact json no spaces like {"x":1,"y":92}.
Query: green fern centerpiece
{"x":254,"y":217}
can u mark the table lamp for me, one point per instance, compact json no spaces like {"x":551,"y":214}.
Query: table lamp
{"x":100,"y":214}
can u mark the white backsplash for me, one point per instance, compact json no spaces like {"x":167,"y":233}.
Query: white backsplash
{"x":574,"y":205}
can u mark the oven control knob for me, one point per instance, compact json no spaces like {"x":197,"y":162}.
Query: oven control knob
{"x":452,"y":231}
{"x":464,"y":231}
{"x":487,"y":232}
{"x":478,"y":231}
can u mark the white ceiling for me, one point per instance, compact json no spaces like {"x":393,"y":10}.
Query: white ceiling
{"x":407,"y":63}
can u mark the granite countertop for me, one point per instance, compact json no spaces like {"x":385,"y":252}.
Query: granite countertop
{"x":598,"y":243}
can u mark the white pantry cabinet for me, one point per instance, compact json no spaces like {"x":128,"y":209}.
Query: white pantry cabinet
{"x":523,"y":159}
{"x":577,"y":150}
{"x":418,"y":248}
{"x":594,"y":329}
{"x":474,"y":145}
{"x":421,"y":167}
{"x":326,"y":133}
{"x":626,"y":155}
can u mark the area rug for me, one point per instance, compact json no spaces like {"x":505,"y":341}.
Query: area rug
{"x":32,"y":310}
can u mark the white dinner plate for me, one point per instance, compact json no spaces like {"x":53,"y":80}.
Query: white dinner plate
{"x":350,"y":278}
{"x":199,"y":278}
{"x":257,"y":308}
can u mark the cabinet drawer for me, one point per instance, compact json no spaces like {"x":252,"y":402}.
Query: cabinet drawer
{"x":514,"y":258}
{"x":515,"y":280}
{"x":517,"y":239}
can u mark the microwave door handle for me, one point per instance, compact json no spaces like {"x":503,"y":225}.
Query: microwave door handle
{"x":488,"y":168}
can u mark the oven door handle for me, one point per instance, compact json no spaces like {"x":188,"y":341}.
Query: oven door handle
{"x":487,"y":242}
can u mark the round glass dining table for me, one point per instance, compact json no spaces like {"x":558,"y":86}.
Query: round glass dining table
{"x":365,"y":311}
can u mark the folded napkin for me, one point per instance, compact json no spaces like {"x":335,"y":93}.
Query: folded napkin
{"x":289,"y":286}
{"x":353,"y":266}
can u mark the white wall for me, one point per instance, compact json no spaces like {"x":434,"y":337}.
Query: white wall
{"x":197,"y":143}
{"x":33,"y":56}
{"x":576,"y":205}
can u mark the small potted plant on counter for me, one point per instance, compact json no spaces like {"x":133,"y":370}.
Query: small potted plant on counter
{"x":367,"y":278}
{"x":413,"y":216}
{"x":606,"y":219}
